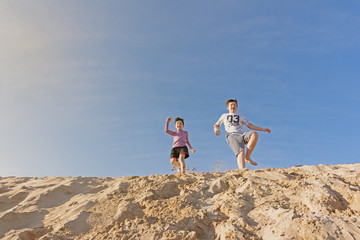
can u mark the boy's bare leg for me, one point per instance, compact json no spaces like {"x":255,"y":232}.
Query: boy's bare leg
{"x":241,"y":159}
{"x":175,"y":164}
{"x":182,"y":164}
{"x":250,"y":147}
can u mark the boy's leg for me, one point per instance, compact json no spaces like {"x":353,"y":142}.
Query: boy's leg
{"x":176,"y":165}
{"x":236,"y":143}
{"x":241,"y":159}
{"x":182,"y":163}
{"x":174,"y":157}
{"x":175,"y":162}
{"x":250,"y":147}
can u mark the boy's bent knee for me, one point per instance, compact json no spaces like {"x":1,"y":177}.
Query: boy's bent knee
{"x":254,"y":134}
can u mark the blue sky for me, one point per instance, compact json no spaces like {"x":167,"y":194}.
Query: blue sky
{"x":86,"y":86}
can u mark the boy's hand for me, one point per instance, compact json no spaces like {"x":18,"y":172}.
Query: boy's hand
{"x":217,"y":132}
{"x":168,"y":119}
{"x":267,"y":130}
{"x":193,"y":150}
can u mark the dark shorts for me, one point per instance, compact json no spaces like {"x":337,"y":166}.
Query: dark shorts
{"x":176,"y":151}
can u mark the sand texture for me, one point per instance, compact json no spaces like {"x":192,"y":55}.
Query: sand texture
{"x":304,"y":202}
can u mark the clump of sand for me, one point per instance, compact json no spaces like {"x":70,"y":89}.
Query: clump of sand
{"x":307,"y":202}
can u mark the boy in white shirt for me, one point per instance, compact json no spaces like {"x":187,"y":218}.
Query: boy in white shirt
{"x":236,"y":137}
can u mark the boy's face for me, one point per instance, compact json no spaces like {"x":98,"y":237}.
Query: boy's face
{"x":232,"y":107}
{"x":179,"y":125}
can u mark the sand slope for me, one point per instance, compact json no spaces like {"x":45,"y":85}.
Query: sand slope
{"x":307,"y":202}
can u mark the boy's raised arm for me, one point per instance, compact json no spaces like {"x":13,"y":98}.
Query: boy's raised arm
{"x":167,"y":127}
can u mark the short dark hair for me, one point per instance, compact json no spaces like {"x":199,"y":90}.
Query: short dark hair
{"x":179,"y":119}
{"x":231,"y":100}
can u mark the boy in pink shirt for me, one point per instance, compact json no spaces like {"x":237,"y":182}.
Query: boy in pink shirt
{"x":181,"y":141}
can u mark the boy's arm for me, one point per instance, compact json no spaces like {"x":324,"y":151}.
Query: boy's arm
{"x":218,"y":124}
{"x":216,"y":130}
{"x":188,"y":143}
{"x":256,"y":128}
{"x":167,"y":127}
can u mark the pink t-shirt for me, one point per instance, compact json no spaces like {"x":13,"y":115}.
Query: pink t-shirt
{"x":180,"y":137}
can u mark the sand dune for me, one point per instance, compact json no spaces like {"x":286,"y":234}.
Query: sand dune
{"x":306,"y":202}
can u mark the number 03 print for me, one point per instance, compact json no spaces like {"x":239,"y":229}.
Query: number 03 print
{"x":233,"y":118}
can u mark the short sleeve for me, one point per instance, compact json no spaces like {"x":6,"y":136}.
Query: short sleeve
{"x":221,"y":120}
{"x":244,"y":120}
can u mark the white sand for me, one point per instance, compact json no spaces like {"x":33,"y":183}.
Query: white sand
{"x":308,"y":202}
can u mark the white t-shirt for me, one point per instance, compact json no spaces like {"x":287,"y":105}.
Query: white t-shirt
{"x":233,"y":122}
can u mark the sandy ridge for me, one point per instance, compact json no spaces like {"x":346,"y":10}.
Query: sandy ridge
{"x":305,"y":202}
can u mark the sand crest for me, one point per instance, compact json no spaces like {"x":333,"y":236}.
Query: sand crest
{"x":305,"y":202}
